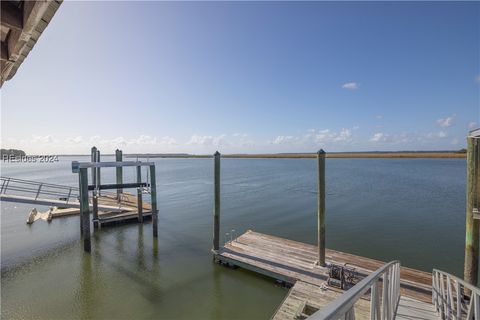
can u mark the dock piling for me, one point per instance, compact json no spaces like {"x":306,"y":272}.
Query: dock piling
{"x":321,"y":207}
{"x":216,"y":210}
{"x":99,"y":180}
{"x":472,"y":224}
{"x":84,"y":209}
{"x":94,"y":154}
{"x":153,"y":194}
{"x":119,"y":170}
{"x":139,"y":195}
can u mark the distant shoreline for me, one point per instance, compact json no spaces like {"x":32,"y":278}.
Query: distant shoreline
{"x":304,"y":155}
{"x":439,"y":155}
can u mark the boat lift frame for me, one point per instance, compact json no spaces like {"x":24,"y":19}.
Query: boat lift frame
{"x":82,"y":169}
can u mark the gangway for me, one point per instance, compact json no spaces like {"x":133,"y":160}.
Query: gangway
{"x":49,"y":194}
{"x":452,"y":299}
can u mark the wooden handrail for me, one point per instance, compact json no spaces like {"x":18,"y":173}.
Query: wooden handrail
{"x":343,"y":306}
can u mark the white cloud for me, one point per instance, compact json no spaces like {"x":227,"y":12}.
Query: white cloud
{"x":436,"y":135}
{"x":315,"y":137}
{"x":283,"y":140}
{"x":240,"y":135}
{"x":199,"y":140}
{"x":477,"y":79}
{"x":379,"y":137}
{"x":74,"y":140}
{"x":344,"y":135}
{"x":351,"y":86}
{"x":43,"y":139}
{"x":379,"y":117}
{"x":472,"y":125}
{"x":446,"y":122}
{"x":323,"y":136}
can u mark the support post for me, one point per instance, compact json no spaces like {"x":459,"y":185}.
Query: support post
{"x":94,"y":182}
{"x":216,"y":209}
{"x":118,"y":158}
{"x":139,"y":195}
{"x":472,"y":225}
{"x":153,"y":193}
{"x":321,"y":207}
{"x":99,"y":180}
{"x":84,"y":208}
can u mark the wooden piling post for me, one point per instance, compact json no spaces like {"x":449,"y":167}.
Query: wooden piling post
{"x":94,"y":182}
{"x":472,"y":224}
{"x":216,"y":209}
{"x":139,"y":195}
{"x":118,"y":158}
{"x":99,"y":180}
{"x":153,"y":193}
{"x":84,"y":208}
{"x":321,"y":207}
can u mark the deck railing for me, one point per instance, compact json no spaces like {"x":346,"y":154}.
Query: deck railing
{"x":37,"y":189}
{"x":40,"y":190}
{"x":454,"y":298}
{"x":384,"y":287}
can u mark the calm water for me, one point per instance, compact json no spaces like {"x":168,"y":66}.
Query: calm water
{"x":407,"y":209}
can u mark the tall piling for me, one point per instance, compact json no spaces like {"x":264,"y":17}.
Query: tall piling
{"x":84,"y":209}
{"x":139,"y":195}
{"x":99,"y":180}
{"x":472,"y":224}
{"x":216,"y":209}
{"x":321,"y":207}
{"x":119,"y":171}
{"x":153,"y":193}
{"x":94,"y":182}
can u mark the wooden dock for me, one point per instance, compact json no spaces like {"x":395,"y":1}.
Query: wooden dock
{"x":111,"y":210}
{"x":296,"y":264}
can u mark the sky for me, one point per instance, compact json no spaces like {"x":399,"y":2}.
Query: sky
{"x":248,"y":77}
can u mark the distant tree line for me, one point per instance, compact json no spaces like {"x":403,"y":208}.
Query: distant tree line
{"x":14,"y":152}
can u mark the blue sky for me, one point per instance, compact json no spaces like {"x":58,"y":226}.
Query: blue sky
{"x":248,"y":77}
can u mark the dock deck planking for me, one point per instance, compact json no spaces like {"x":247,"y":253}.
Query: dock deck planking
{"x":110,"y":209}
{"x":304,"y":295}
{"x":295,"y":263}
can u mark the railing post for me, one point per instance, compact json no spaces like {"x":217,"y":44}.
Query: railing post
{"x":216,"y":209}
{"x":444,"y":298}
{"x":450,"y":303}
{"x":459,"y":300}
{"x":375,"y":302}
{"x":6,"y":186}
{"x":153,"y":194}
{"x":38,"y":192}
{"x":69,"y":194}
{"x":119,"y":170}
{"x":472,"y":225}
{"x":139,"y":195}
{"x":476,"y":304}
{"x":350,"y":315}
{"x":321,"y":207}
{"x":84,"y":208}
{"x":3,"y":185}
{"x":385,"y":299}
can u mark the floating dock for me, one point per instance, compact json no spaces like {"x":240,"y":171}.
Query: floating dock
{"x":295,"y":263}
{"x":111,"y":210}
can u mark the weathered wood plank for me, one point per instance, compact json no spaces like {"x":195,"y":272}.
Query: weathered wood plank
{"x":296,"y":263}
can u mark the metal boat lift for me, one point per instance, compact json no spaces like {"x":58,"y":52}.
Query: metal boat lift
{"x":84,"y":188}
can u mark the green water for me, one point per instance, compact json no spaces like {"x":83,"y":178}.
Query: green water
{"x":407,"y":209}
